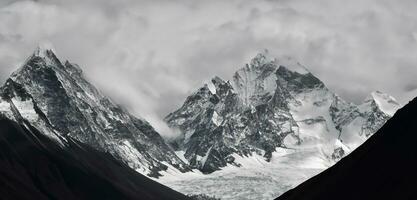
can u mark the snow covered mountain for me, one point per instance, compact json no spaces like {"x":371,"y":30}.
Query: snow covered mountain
{"x":273,"y":126}
{"x":56,"y":99}
{"x":272,"y":103}
{"x":372,"y":171}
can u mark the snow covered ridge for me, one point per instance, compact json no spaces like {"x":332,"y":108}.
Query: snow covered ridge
{"x":55,"y":98}
{"x":385,"y":103}
{"x":272,"y":103}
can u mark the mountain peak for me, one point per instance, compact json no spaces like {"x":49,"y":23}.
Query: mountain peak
{"x":262,"y":58}
{"x":287,"y":62}
{"x":272,"y":104}
{"x":59,"y":99}
{"x":44,"y":50}
{"x":42,"y":58}
{"x":385,"y":102}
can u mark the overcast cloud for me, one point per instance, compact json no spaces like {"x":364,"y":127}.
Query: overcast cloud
{"x":149,"y":55}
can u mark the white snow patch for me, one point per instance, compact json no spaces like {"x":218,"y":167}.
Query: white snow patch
{"x":26,"y":109}
{"x":339,"y":143}
{"x":351,"y":134}
{"x":217,"y":119}
{"x":6,"y":110}
{"x":270,"y":84}
{"x":4,"y":106}
{"x":386,"y":103}
{"x":204,"y":159}
{"x":255,"y":179}
{"x":131,"y":155}
{"x":290,"y":141}
{"x":181,"y":155}
{"x":211,"y":87}
{"x":311,"y":113}
{"x":249,"y":82}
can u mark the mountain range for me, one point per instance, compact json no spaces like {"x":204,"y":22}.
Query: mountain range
{"x":273,"y":126}
{"x":272,"y":103}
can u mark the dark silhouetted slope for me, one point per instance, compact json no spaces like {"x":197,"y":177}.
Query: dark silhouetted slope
{"x":33,"y":166}
{"x":384,"y":167}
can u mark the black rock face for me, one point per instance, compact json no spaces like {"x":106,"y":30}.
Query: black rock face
{"x":384,"y":167}
{"x":298,"y":82}
{"x":33,"y":166}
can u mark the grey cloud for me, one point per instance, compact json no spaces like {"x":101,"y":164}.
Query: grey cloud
{"x":149,"y":55}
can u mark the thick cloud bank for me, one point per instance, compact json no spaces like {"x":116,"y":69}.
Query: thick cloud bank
{"x":149,"y":55}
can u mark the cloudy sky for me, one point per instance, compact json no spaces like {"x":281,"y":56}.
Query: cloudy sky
{"x":149,"y":55}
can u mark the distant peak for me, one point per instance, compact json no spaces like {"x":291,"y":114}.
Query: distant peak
{"x":385,"y":102}
{"x":378,"y":95}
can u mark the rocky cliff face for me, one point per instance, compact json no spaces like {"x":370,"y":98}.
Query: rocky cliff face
{"x":272,"y":103}
{"x":56,"y":99}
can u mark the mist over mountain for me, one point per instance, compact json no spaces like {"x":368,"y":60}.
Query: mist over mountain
{"x":157,"y":59}
{"x":208,"y":100}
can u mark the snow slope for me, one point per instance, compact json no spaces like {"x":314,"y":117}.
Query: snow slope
{"x":255,"y":179}
{"x":381,"y":168}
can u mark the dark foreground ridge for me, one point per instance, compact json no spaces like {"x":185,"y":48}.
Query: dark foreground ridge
{"x":384,"y":167}
{"x":34,"y":167}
